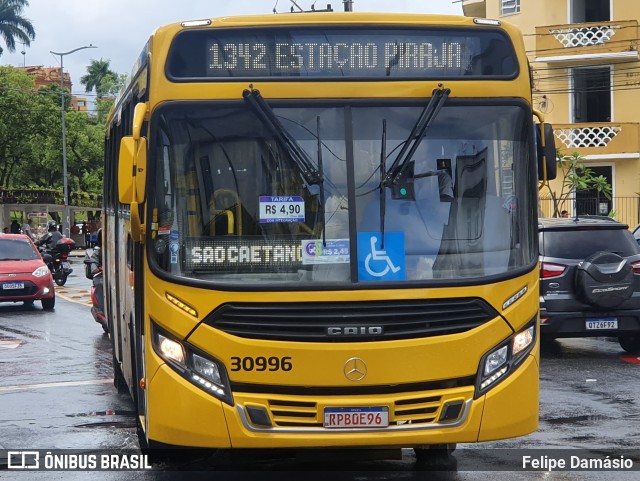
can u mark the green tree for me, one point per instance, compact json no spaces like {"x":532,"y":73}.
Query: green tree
{"x":13,"y":26}
{"x":53,"y":93}
{"x":31,"y":136}
{"x":575,"y":177}
{"x":110,"y":85}
{"x":85,"y":140}
{"x":21,"y":112}
{"x":97,"y":71}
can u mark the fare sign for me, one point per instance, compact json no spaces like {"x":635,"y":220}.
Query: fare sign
{"x":288,"y":208}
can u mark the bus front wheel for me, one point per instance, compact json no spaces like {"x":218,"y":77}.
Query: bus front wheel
{"x":436,"y":457}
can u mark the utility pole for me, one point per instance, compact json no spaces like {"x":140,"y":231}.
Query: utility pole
{"x":24,"y":54}
{"x":65,"y":193}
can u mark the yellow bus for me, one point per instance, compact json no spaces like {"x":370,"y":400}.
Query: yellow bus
{"x":320,"y":231}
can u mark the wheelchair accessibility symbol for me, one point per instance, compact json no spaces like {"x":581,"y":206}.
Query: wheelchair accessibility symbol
{"x":378,"y":263}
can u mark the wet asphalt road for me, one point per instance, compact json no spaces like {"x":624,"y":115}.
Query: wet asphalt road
{"x":56,"y":392}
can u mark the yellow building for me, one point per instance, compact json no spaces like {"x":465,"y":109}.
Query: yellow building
{"x":586,"y":69}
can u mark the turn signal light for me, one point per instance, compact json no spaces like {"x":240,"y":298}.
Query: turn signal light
{"x":185,"y":307}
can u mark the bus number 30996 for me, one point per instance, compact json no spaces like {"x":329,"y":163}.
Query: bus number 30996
{"x":261,"y":363}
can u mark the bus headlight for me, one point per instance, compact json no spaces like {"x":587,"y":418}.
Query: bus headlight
{"x":170,"y":349}
{"x":192,"y":364}
{"x":206,"y":368}
{"x":495,"y":360}
{"x":498,"y":363}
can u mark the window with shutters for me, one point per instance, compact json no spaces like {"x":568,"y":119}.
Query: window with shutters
{"x":509,"y":7}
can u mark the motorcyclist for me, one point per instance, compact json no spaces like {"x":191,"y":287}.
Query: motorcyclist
{"x":51,"y":238}
{"x":94,"y":272}
{"x":95,"y":260}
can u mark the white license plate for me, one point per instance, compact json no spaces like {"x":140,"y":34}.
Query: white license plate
{"x":66,"y":265}
{"x":13,"y":285}
{"x":356,"y":417}
{"x":604,"y":323}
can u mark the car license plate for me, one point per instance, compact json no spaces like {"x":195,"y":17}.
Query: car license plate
{"x":13,"y":285}
{"x":66,"y":265}
{"x":356,"y":417}
{"x":603,"y":323}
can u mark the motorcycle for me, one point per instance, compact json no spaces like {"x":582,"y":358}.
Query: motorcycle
{"x":59,"y":264}
{"x":93,"y":271}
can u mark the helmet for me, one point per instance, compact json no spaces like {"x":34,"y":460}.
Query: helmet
{"x":52,"y":225}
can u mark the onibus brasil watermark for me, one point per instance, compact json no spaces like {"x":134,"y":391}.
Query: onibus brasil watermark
{"x":38,"y":460}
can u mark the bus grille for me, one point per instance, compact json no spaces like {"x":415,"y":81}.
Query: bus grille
{"x":351,"y":321}
{"x":420,"y":410}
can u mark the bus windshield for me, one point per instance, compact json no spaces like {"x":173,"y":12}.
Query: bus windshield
{"x":232,"y":205}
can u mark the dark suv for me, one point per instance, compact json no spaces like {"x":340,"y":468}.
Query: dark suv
{"x":589,"y":280}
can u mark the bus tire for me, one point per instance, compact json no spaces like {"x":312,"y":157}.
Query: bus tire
{"x":436,"y":457}
{"x":118,"y":379}
{"x":156,"y":452}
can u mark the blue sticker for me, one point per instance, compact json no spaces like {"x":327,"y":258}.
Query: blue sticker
{"x":174,"y":248}
{"x":174,"y":235}
{"x":377,"y":263}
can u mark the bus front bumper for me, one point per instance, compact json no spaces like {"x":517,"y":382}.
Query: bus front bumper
{"x":182,"y":414}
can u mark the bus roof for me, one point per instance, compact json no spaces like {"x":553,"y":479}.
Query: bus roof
{"x":335,"y":18}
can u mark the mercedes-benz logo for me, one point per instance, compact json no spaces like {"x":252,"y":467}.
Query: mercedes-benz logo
{"x":355,"y":369}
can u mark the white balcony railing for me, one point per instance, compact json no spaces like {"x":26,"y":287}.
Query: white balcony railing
{"x":577,"y":138}
{"x":584,"y":36}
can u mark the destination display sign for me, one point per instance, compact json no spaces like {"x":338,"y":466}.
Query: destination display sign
{"x":358,"y":52}
{"x":234,"y":254}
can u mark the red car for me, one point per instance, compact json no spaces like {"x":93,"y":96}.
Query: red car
{"x":24,"y":276}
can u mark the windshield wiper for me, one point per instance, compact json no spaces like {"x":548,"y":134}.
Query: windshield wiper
{"x":298,"y":155}
{"x":320,"y":168}
{"x":282,"y":136}
{"x":400,"y":175}
{"x":383,"y":171}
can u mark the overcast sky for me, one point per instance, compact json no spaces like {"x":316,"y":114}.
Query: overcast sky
{"x":120,"y":28}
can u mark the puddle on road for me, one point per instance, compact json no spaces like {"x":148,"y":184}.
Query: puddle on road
{"x":108,"y":412}
{"x":129,"y":423}
{"x":19,"y":333}
{"x":577,"y":419}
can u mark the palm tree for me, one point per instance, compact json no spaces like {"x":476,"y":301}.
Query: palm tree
{"x":97,"y":71}
{"x":13,"y":26}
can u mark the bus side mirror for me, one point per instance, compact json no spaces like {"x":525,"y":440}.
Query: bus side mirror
{"x":132,"y":161}
{"x":546,"y":149}
{"x":140,"y":152}
{"x":141,"y":169}
{"x":132,"y":170}
{"x":125,"y":170}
